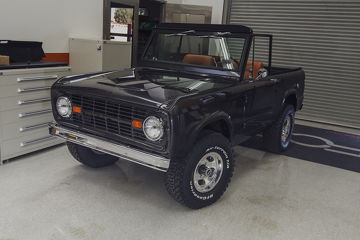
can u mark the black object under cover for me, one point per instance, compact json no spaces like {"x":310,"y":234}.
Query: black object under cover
{"x":22,"y":51}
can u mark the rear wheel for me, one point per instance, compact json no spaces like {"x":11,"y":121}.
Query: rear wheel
{"x":90,"y":157}
{"x":203,"y":176}
{"x":278,"y":136}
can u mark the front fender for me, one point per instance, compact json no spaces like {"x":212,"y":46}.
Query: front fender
{"x":192,"y":131}
{"x":214,"y":117}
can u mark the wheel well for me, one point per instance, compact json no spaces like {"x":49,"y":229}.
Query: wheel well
{"x":219,"y":126}
{"x":291,"y":99}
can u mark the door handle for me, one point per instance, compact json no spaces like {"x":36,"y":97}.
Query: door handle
{"x":33,"y":127}
{"x":30,"y":114}
{"x":22,"y":102}
{"x":275,"y":80}
{"x":25,"y":90}
{"x":39,"y":78}
{"x":207,"y":99}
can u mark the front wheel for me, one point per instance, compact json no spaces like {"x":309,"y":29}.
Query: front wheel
{"x":203,"y":176}
{"x":278,"y":136}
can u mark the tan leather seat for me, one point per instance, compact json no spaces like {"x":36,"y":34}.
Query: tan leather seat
{"x":199,"y":60}
{"x":248,"y":71}
{"x":211,"y":61}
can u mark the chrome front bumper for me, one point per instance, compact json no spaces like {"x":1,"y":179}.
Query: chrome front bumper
{"x":115,"y":149}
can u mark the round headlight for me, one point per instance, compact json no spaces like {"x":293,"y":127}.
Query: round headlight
{"x":153,"y":128}
{"x":63,"y":106}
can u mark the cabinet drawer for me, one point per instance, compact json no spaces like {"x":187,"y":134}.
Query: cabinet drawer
{"x":38,"y":140}
{"x":25,"y":90}
{"x":27,"y":79}
{"x":26,"y":114}
{"x":22,"y":101}
{"x":24,"y":128}
{"x":35,"y":76}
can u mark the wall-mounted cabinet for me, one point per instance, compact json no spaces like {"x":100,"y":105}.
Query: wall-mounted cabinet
{"x":88,"y":55}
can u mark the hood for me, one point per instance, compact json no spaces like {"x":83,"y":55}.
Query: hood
{"x":154,"y":88}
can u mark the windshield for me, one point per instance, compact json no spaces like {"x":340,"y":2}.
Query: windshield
{"x":183,"y":83}
{"x":221,"y":50}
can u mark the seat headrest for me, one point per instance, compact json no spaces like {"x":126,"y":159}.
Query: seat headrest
{"x":199,"y":59}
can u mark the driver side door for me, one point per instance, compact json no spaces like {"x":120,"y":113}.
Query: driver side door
{"x":263,"y":105}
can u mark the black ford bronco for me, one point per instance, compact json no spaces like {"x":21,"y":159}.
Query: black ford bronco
{"x":197,"y":92}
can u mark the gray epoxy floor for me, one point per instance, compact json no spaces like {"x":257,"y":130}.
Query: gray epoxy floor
{"x":50,"y":196}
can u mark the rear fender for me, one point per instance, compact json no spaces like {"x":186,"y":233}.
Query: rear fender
{"x":289,"y":93}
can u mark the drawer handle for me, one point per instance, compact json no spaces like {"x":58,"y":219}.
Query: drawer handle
{"x":35,"y":141}
{"x":33,"y":127}
{"x":24,"y":90}
{"x":27,"y":79}
{"x":22,"y":102}
{"x":29,"y":114}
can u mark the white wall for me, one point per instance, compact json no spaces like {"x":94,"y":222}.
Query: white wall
{"x":217,"y":7}
{"x":54,"y":21}
{"x":51,"y":21}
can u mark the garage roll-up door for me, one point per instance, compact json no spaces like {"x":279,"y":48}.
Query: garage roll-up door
{"x":323,"y":37}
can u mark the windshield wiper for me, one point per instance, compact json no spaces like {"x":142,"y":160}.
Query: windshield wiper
{"x":216,"y":35}
{"x":181,"y":33}
{"x":223,"y":33}
{"x":183,"y":89}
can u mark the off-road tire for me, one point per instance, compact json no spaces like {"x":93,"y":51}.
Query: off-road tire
{"x":179,"y":180}
{"x":272,"y":135}
{"x":90,"y":157}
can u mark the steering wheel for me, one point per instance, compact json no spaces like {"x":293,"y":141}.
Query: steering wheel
{"x":235,"y":60}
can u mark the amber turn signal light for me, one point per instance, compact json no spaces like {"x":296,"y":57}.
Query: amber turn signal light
{"x":136,"y":124}
{"x":76,"y":109}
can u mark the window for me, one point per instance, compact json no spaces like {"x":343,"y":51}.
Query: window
{"x":121,"y":24}
{"x":259,"y":56}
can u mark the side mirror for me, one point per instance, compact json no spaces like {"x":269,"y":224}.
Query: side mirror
{"x":262,"y":73}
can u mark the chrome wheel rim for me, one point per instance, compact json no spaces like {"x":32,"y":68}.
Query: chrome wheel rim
{"x":208,"y":172}
{"x":286,"y":130}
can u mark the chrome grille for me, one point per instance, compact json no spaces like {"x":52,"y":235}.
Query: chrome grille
{"x":109,"y":116}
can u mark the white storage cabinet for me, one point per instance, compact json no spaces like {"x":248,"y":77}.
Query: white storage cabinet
{"x":25,"y":110}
